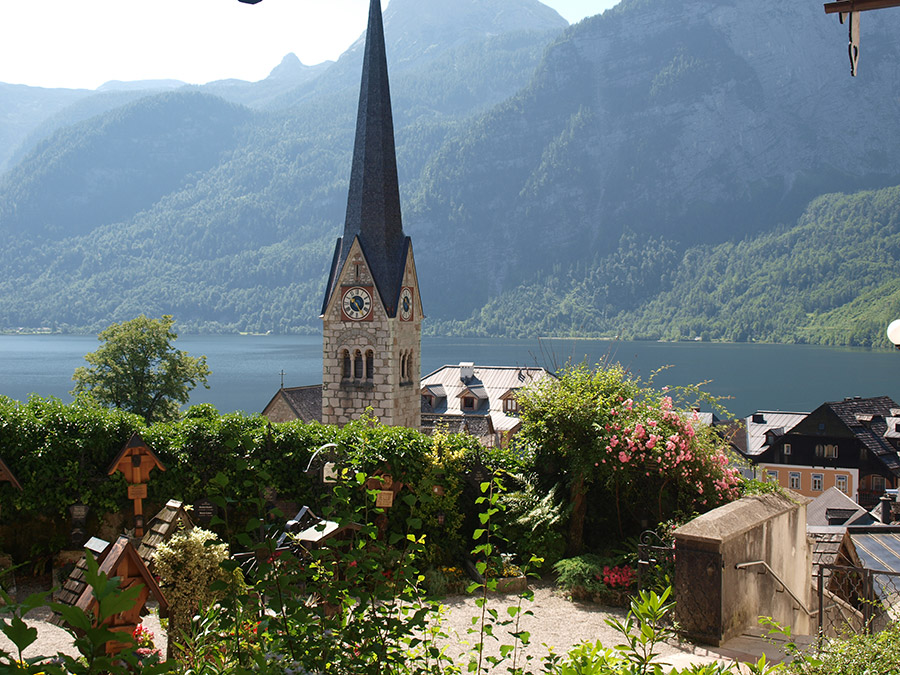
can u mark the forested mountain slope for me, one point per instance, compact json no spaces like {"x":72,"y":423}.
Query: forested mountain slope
{"x":829,"y":279}
{"x":564,"y":182}
{"x":242,"y":242}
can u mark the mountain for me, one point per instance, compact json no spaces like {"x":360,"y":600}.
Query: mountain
{"x":244,"y":242}
{"x":20,"y":106}
{"x":594,"y":180}
{"x":686,"y":122}
{"x":830,"y":278}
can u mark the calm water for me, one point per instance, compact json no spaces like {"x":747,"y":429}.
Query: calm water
{"x":247,"y":369}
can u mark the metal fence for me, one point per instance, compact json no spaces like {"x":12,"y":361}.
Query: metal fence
{"x":856,"y":599}
{"x":656,"y":562}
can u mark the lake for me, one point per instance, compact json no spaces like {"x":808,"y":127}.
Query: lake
{"x":247,"y":369}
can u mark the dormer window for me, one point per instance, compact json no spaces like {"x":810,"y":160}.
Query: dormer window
{"x":468,"y":403}
{"x":510,"y":406}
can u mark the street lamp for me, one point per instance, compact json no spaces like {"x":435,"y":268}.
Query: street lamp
{"x":893,"y":333}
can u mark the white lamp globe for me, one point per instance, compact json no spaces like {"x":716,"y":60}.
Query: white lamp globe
{"x":893,"y":332}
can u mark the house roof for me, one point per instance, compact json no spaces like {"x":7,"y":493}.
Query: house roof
{"x":480,"y":426}
{"x":878,"y":547}
{"x":373,"y":203}
{"x":490,"y":385}
{"x":866,"y":418}
{"x":831,"y":505}
{"x":305,"y":402}
{"x":763,"y":421}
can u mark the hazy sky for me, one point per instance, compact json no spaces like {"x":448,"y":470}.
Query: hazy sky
{"x":84,"y":43}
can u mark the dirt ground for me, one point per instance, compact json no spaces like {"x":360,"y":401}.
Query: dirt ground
{"x":556,"y":624}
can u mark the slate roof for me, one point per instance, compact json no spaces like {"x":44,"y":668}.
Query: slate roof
{"x":306,"y":402}
{"x":373,"y":203}
{"x":763,"y":421}
{"x":867,"y":419}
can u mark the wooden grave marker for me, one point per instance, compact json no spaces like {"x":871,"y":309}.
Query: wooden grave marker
{"x":136,"y":461}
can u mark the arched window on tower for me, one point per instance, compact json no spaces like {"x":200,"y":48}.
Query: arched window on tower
{"x":346,"y":372}
{"x":370,"y":365}
{"x":358,"y":365}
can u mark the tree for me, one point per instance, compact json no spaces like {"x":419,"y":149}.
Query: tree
{"x":138,"y":369}
{"x":644,"y":456}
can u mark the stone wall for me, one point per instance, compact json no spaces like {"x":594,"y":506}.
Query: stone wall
{"x":394,"y":400}
{"x":719,"y":596}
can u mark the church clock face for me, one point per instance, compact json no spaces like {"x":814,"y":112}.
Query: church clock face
{"x":406,"y":304}
{"x":357,"y":303}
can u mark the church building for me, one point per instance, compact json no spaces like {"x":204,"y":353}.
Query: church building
{"x":372,"y":312}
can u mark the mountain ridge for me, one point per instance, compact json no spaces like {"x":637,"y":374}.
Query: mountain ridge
{"x":578,"y":170}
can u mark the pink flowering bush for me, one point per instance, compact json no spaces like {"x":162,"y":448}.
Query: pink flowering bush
{"x":630,"y":455}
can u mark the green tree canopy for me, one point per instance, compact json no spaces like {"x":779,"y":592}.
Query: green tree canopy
{"x":138,"y":369}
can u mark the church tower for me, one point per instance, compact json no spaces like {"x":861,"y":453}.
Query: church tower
{"x":372,"y":314}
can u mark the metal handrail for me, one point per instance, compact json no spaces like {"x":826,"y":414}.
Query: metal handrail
{"x":741,"y":566}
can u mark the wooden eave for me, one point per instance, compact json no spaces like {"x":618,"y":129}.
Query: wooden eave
{"x":135,"y":446}
{"x":845,"y":6}
{"x":6,"y":475}
{"x":111,"y":558}
{"x":162,"y":527}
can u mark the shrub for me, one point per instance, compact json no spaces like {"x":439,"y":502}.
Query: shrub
{"x":188,"y":565}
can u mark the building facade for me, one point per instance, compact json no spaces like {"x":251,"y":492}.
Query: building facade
{"x":851,"y":445}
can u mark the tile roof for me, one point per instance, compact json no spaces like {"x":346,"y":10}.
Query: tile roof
{"x":306,"y":402}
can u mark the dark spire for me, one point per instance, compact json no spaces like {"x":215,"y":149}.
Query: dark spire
{"x":373,"y":205}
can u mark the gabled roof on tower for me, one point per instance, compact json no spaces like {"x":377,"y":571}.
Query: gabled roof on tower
{"x":373,"y":204}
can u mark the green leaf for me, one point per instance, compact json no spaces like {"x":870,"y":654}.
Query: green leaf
{"x":73,"y":616}
{"x":20,"y":634}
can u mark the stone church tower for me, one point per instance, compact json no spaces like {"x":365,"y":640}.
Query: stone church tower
{"x":372,"y":313}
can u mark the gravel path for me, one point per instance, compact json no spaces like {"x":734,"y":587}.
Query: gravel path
{"x":556,"y":623}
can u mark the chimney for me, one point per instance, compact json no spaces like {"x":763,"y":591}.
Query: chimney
{"x":886,"y":516}
{"x":466,"y":371}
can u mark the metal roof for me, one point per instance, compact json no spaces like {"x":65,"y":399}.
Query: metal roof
{"x":763,"y":421}
{"x":878,"y":547}
{"x":489,"y":385}
{"x":833,"y":499}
